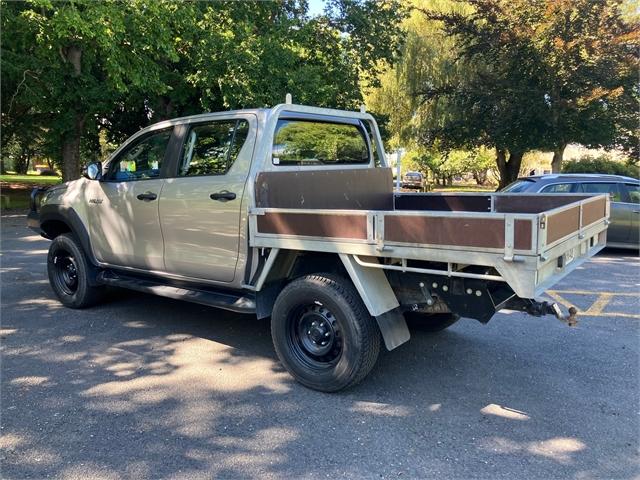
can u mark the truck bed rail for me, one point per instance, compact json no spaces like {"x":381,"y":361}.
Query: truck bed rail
{"x":528,"y":249}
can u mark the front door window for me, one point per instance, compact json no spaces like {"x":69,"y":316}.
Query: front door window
{"x":142,"y":160}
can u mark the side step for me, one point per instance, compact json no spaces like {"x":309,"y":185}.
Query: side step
{"x":209,"y":297}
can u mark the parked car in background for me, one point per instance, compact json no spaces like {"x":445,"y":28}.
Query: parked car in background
{"x":413,"y":180}
{"x":625,"y":199}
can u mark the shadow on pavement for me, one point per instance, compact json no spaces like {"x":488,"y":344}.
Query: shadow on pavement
{"x":147,"y":387}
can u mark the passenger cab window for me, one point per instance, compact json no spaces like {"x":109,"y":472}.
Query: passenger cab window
{"x":557,"y":188}
{"x":142,"y":160}
{"x":633,"y":189}
{"x":610,"y":188}
{"x":211,"y":149}
{"x":303,"y":142}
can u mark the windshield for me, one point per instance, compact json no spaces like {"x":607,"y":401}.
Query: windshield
{"x":518,"y":186}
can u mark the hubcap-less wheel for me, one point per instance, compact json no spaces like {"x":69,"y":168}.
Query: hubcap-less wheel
{"x":314,"y":335}
{"x":70,"y":274}
{"x":66,"y":272}
{"x":323,"y":333}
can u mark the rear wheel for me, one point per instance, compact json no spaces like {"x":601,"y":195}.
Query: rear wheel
{"x":430,"y":322}
{"x":69,"y":273}
{"x":323,"y":333}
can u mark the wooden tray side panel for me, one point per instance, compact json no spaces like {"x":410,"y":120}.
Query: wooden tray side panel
{"x":594,"y":211}
{"x":563,"y":223}
{"x":522,"y":236}
{"x":348,"y":189}
{"x":460,"y":232}
{"x":518,"y":203}
{"x":431,"y":202}
{"x":314,"y":225}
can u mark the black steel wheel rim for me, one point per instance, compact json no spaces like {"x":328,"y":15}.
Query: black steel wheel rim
{"x":314,"y":336}
{"x":65,"y":272}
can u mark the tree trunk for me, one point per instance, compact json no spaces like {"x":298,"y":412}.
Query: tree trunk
{"x":21,"y":163}
{"x":71,"y":151}
{"x":71,"y":141}
{"x":508,"y":168}
{"x":480,"y":176}
{"x":556,"y":162}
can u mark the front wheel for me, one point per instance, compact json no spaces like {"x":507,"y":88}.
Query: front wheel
{"x":69,"y":273}
{"x":323,"y":333}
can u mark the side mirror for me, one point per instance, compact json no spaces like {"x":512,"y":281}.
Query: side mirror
{"x":93,"y":171}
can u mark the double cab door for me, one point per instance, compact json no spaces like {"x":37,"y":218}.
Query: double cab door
{"x":170,"y":201}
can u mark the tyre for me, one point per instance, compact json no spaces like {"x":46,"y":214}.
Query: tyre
{"x":69,"y":272}
{"x":323,"y":333}
{"x":430,"y":322}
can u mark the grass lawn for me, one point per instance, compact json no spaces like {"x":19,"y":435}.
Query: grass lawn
{"x":15,"y":189}
{"x":15,"y":199}
{"x":30,"y":179}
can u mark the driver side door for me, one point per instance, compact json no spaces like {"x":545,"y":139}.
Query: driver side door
{"x":123,"y":206}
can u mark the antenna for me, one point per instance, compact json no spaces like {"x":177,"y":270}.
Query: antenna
{"x":287,"y":99}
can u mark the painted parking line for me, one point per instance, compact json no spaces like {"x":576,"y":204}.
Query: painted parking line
{"x":596,"y":309}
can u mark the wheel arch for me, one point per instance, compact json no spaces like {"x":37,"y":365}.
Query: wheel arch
{"x":287,"y":266}
{"x":371,"y":284}
{"x":57,"y":219}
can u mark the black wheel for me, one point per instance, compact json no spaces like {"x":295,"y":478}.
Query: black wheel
{"x":430,"y":322}
{"x":69,"y":272}
{"x":323,"y":333}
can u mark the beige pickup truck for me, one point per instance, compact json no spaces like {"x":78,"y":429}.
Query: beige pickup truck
{"x":290,"y":213}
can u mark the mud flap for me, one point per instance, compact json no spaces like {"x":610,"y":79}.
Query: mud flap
{"x":394,"y":328}
{"x":380,"y":300}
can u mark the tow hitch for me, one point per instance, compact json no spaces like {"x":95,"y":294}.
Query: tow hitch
{"x":569,"y":319}
{"x":538,"y":309}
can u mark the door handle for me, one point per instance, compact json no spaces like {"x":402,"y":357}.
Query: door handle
{"x":223,"y":196}
{"x":147,"y":196}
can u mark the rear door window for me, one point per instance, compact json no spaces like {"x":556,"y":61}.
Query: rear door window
{"x":558,"y":188}
{"x":602,"y":187}
{"x":212,"y":148}
{"x":303,"y":142}
{"x":633,"y":190}
{"x":519,"y":186}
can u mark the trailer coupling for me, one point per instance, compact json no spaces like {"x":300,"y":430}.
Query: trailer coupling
{"x":538,"y":309}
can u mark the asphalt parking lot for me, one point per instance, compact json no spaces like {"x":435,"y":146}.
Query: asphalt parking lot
{"x":147,"y":387}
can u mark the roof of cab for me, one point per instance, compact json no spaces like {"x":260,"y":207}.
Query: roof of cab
{"x":578,"y":176}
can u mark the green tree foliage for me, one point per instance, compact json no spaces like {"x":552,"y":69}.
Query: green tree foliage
{"x":586,"y":61}
{"x":453,"y":163}
{"x":428,"y":60}
{"x":547,"y":73}
{"x":601,"y":164}
{"x":64,"y":64}
{"x":515,"y":75}
{"x":73,"y":69}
